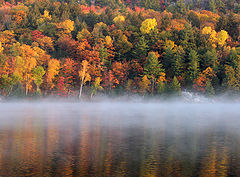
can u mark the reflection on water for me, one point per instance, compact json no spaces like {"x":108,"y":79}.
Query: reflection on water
{"x":119,"y":139}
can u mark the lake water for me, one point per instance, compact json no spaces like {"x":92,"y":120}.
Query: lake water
{"x":119,"y":139}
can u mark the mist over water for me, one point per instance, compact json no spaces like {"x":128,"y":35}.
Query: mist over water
{"x":117,"y":138}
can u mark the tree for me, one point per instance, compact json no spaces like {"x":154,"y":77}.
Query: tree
{"x":211,"y":35}
{"x":222,"y":36}
{"x":96,"y":86}
{"x":212,"y":6}
{"x":209,"y":88}
{"x":26,"y":60}
{"x":144,"y":85}
{"x":141,"y":48}
{"x":148,"y":25}
{"x":232,"y":79}
{"x":109,"y":80}
{"x":211,"y":59}
{"x":38,"y":73}
{"x":119,"y":19}
{"x":204,"y":81}
{"x":193,"y":69}
{"x":65,"y":27}
{"x":69,"y":73}
{"x":153,"y":68}
{"x":52,"y":71}
{"x":181,"y":7}
{"x":120,"y":71}
{"x":179,"y":62}
{"x":161,"y":84}
{"x":122,"y":45}
{"x":174,"y":86}
{"x":84,"y":75}
{"x":168,"y":56}
{"x":1,"y":48}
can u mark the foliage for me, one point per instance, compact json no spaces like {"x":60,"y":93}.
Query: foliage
{"x":148,"y":25}
{"x":145,"y":46}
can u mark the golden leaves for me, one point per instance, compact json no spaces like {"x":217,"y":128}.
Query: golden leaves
{"x":214,"y":37}
{"x":83,"y":74}
{"x":148,"y":25}
{"x":1,"y":48}
{"x":222,"y":36}
{"x":53,"y":70}
{"x":108,"y":40}
{"x":67,"y":26}
{"x":144,"y":84}
{"x":119,"y":19}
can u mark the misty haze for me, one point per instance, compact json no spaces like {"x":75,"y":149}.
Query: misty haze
{"x":119,"y":139}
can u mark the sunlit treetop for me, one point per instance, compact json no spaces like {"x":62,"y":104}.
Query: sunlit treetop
{"x":108,"y":40}
{"x":207,"y":30}
{"x":67,"y":26}
{"x":44,"y":18}
{"x":119,"y":19}
{"x":169,"y":44}
{"x":1,"y":48}
{"x":222,"y":36}
{"x":214,"y":37}
{"x":83,"y":34}
{"x":148,"y":25}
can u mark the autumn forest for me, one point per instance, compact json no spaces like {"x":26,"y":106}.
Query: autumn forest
{"x":147,"y":47}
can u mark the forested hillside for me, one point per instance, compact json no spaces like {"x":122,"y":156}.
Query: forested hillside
{"x":147,"y":47}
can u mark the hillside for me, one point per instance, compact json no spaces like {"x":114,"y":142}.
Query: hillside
{"x":146,"y":47}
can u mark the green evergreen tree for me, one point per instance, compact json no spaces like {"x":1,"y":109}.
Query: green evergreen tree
{"x":187,"y":39}
{"x":210,"y":59}
{"x":161,"y":87}
{"x":193,"y":69}
{"x":174,"y":86}
{"x":212,"y":6}
{"x":141,"y":48}
{"x":168,"y":61}
{"x":179,"y":62}
{"x":209,"y":88}
{"x":153,"y":68}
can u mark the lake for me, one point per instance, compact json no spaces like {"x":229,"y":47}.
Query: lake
{"x":119,"y":139}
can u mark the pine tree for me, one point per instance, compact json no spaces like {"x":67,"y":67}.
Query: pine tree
{"x":212,"y":6}
{"x":141,"y":48}
{"x":210,"y":59}
{"x":209,"y":88}
{"x":193,"y":69}
{"x":174,"y":86}
{"x":153,"y":68}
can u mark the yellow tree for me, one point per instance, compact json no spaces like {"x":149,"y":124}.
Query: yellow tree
{"x":212,"y":35}
{"x":144,"y":85}
{"x":118,"y":19}
{"x":108,"y":40}
{"x":83,"y":34}
{"x":52,"y":71}
{"x":1,"y":48}
{"x":84,"y":75}
{"x":222,"y":36}
{"x":148,"y":25}
{"x":26,"y":60}
{"x":66,"y":27}
{"x":38,"y":73}
{"x":96,"y":86}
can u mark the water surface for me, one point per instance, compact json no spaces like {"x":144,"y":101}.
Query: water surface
{"x":119,"y":139}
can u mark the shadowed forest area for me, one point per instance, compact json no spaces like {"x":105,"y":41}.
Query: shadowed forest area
{"x":147,"y":47}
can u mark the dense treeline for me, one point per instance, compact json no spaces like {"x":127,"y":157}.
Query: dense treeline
{"x":152,"y":47}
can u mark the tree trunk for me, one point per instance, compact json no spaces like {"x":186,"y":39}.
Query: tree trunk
{"x":80,"y":90}
{"x":26,"y":89}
